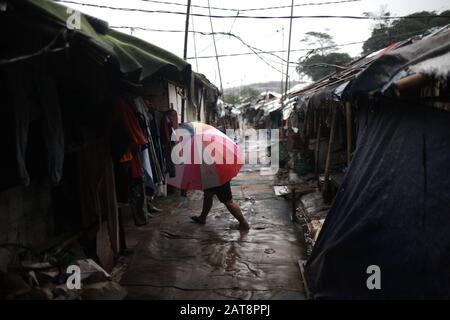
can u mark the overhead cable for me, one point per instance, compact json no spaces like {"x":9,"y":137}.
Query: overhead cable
{"x":271,"y":52}
{"x":255,"y":17}
{"x":254,"y":9}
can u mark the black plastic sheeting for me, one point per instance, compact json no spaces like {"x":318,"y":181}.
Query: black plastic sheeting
{"x":393,"y":210}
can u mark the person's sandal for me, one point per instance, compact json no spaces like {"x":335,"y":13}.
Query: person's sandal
{"x":198,"y":220}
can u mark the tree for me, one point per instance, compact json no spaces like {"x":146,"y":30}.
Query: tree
{"x":322,"y":61}
{"x":231,"y":99}
{"x":318,"y":66}
{"x":320,"y":39}
{"x":386,"y":33}
{"x":381,"y":18}
{"x":249,"y":94}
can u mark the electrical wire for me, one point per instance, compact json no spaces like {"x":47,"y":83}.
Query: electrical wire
{"x":310,"y":50}
{"x":254,"y":50}
{"x":253,"y":17}
{"x":206,"y":34}
{"x":254,"y":9}
{"x":220,"y":38}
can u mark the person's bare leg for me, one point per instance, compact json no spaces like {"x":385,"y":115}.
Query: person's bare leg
{"x":235,"y":210}
{"x":207,"y":205}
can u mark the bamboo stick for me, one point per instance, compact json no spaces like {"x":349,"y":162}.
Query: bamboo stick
{"x":330,"y":145}
{"x":317,"y":148}
{"x":412,"y":81}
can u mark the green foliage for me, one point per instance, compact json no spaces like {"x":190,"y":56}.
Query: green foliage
{"x":385,"y":33}
{"x":249,"y":93}
{"x":318,"y":66}
{"x":321,"y":40}
{"x":231,"y":99}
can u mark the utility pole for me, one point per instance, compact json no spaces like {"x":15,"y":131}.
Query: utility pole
{"x":289,"y":50}
{"x":186,"y":33}
{"x":282,"y":56}
{"x":186,"y":29}
{"x":215,"y":47}
{"x":183,"y":100}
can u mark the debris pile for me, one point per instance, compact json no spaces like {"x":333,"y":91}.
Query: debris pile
{"x":61,"y":273}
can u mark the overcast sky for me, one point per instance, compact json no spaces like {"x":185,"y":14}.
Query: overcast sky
{"x":266,"y":35}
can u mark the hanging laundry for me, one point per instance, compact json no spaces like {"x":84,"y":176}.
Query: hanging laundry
{"x":154,"y":167}
{"x":167,"y":123}
{"x":148,"y":173}
{"x":155,"y":117}
{"x":127,"y":136}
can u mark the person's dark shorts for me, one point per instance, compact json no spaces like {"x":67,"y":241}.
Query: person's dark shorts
{"x":222,"y":192}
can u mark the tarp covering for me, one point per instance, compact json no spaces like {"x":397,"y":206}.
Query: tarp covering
{"x":438,"y":66}
{"x":380,"y":71}
{"x":135,"y":54}
{"x":137,"y":59}
{"x":201,"y":82}
{"x":323,"y":98}
{"x":392,"y":210}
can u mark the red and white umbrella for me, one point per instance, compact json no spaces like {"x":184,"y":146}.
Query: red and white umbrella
{"x":204,"y":157}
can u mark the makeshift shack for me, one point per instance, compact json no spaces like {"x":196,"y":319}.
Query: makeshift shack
{"x":391,"y":208}
{"x":86,"y":120}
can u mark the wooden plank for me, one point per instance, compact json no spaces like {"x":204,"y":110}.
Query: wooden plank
{"x":294,"y":206}
{"x":330,"y":146}
{"x":317,"y":149}
{"x":301,"y":264}
{"x":111,"y":206}
{"x":410,"y":82}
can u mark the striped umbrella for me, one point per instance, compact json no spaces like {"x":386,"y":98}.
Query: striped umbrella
{"x":204,"y":157}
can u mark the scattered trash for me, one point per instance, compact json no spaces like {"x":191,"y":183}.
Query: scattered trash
{"x":28,"y":275}
{"x":269,"y":251}
{"x":107,"y":290}
{"x":251,"y":199}
{"x":281,"y":190}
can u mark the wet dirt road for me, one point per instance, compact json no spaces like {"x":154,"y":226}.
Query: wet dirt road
{"x":178,"y":259}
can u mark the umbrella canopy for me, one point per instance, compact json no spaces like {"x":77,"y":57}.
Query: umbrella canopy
{"x":204,"y":157}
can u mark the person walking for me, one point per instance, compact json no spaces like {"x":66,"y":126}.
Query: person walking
{"x":225,"y":196}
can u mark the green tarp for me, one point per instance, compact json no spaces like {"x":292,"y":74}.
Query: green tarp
{"x":138,"y":60}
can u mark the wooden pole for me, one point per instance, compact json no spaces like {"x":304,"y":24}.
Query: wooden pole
{"x":186,"y":29}
{"x":317,"y":148}
{"x":215,"y":48}
{"x":294,"y":206}
{"x":186,"y":36}
{"x":348,"y":114}
{"x":412,"y":81}
{"x":330,"y":145}
{"x":288,"y":52}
